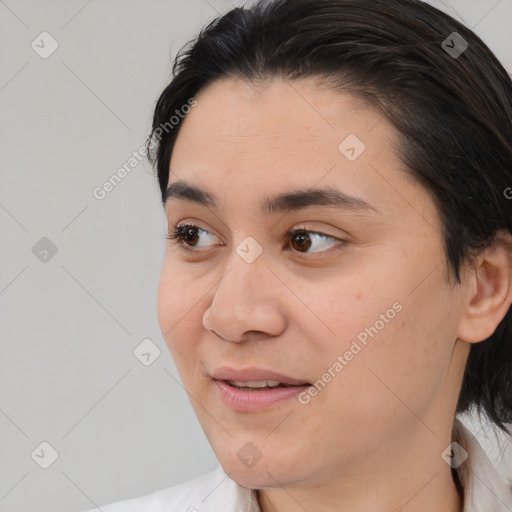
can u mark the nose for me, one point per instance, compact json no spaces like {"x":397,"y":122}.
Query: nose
{"x":246,"y":302}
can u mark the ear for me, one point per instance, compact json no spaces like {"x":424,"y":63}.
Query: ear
{"x":489,"y":294}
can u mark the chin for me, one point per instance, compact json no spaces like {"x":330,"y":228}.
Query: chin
{"x":252,"y":478}
{"x":262,"y":474}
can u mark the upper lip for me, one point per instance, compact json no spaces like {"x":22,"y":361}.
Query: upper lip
{"x":253,"y":375}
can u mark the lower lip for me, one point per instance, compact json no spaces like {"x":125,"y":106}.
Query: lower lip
{"x":252,"y":401}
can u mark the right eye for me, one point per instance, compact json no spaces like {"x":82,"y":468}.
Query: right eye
{"x":185,"y":235}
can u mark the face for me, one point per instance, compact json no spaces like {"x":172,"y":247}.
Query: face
{"x":352,"y":312}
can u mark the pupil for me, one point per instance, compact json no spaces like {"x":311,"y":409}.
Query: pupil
{"x":305,"y":242}
{"x":188,"y":233}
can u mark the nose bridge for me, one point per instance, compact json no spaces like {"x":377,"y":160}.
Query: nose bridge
{"x":243,"y":299}
{"x":242,"y":285}
{"x":246,"y":271}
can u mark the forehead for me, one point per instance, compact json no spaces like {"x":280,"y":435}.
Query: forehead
{"x":237,"y":116}
{"x":245,"y":140}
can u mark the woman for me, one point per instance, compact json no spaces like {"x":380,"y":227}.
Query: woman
{"x":337,"y":284}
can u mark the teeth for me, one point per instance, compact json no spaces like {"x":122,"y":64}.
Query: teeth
{"x":256,"y":384}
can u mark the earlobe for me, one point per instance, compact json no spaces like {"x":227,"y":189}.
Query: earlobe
{"x":489,"y":296}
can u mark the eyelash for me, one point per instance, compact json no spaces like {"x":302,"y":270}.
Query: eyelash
{"x":179,"y":231}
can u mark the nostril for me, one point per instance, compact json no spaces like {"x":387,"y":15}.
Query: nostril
{"x":219,"y":336}
{"x":226,"y":339}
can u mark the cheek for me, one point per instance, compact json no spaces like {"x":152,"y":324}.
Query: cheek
{"x":403,"y":361}
{"x":179,"y":311}
{"x":342,"y":310}
{"x":378,"y":325}
{"x":179,"y":292}
{"x":168,"y":304}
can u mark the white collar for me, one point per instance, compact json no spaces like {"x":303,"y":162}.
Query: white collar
{"x":485,"y":490}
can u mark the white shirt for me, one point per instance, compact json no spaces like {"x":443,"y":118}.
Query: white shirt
{"x":485,"y":490}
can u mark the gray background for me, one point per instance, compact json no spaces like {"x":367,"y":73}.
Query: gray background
{"x":70,"y":324}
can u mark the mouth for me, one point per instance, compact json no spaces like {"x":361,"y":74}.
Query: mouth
{"x":254,"y":390}
{"x":255,"y":377}
{"x":262,"y":385}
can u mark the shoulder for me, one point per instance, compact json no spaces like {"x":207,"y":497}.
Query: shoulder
{"x":211,"y":492}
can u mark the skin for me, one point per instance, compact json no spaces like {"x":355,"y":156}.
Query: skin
{"x":372,"y":438}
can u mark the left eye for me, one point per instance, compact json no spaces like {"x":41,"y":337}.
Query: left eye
{"x":186,"y":235}
{"x":304,"y":240}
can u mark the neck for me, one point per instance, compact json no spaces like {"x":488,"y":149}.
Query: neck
{"x":410,"y":478}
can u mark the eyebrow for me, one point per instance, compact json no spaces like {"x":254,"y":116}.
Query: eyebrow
{"x":284,"y":202}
